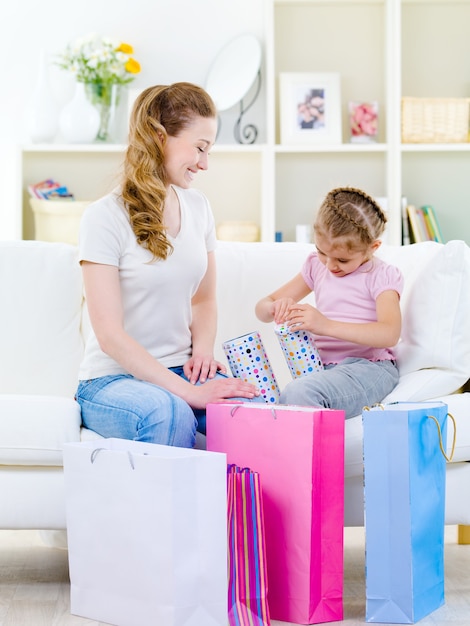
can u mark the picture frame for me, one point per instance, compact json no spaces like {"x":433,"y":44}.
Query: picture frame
{"x":310,"y":108}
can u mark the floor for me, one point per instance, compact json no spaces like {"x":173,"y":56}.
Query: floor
{"x":34,"y":585}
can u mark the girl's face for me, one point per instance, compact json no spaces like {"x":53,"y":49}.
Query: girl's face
{"x":338,"y":258}
{"x":188,"y":152}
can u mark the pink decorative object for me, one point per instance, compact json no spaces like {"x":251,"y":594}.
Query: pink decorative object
{"x":363,"y":121}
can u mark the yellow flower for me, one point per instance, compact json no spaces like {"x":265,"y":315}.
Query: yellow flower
{"x":126,"y":48}
{"x":95,"y":59}
{"x":132,"y":66}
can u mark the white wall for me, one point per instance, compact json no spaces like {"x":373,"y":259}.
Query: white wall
{"x":173,"y":40}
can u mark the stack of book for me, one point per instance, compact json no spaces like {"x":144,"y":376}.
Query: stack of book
{"x":421,"y":224}
{"x":48,"y":190}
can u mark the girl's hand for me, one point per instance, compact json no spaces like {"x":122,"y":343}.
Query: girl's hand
{"x":281,"y":308}
{"x":222,"y":390}
{"x":307,"y":317}
{"x":200,"y":368}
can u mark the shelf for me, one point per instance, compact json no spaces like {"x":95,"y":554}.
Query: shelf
{"x":114,"y":147}
{"x":435,"y":147}
{"x":343,"y":147}
{"x":382,"y":49}
{"x":74,"y":148}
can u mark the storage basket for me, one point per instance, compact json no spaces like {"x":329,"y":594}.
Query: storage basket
{"x":57,"y":220}
{"x":435,"y":120}
{"x":238,"y":231}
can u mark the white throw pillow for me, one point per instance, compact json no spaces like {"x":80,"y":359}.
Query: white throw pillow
{"x":435,"y":305}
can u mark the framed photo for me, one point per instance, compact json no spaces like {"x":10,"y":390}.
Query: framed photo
{"x":310,"y":108}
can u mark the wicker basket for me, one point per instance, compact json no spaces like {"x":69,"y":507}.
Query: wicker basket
{"x":238,"y":231}
{"x":435,"y":120}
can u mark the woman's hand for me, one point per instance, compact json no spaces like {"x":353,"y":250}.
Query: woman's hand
{"x":200,"y":368}
{"x":221,"y":390}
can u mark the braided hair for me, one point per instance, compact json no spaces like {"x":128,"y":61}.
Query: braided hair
{"x":351,"y":214}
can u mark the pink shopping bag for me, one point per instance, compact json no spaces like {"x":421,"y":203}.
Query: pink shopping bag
{"x":247,"y":572}
{"x":299,"y":454}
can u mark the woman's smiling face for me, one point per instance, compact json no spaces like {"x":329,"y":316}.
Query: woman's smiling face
{"x":187,"y":153}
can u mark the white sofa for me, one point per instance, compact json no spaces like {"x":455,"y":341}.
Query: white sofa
{"x":43,"y":321}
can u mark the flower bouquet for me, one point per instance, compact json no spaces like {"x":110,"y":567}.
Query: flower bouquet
{"x":103,"y":65}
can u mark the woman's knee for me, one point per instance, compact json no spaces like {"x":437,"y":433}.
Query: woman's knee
{"x":168,"y":421}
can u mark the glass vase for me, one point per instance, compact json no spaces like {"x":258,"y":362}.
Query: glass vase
{"x":79,"y":120}
{"x":44,"y":112}
{"x":106,"y":98}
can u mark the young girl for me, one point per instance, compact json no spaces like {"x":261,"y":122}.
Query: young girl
{"x":356,"y":320}
{"x":147,"y":257}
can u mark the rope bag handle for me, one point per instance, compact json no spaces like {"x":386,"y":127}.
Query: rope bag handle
{"x":441,"y":446}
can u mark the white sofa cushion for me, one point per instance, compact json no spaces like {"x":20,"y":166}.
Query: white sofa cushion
{"x":458,"y":405}
{"x":40,"y":318}
{"x":434,"y":351}
{"x":34,"y":428}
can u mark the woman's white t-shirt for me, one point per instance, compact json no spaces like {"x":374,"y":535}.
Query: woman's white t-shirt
{"x":156,"y":295}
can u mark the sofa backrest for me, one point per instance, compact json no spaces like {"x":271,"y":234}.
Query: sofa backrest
{"x":40,"y":318}
{"x":245,"y":273}
{"x":43,"y":319}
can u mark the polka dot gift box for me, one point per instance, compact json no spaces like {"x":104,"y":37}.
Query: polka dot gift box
{"x":299,"y":348}
{"x":248,"y":361}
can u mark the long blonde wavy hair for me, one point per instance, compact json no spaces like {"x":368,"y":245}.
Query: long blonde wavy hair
{"x":158,"y":112}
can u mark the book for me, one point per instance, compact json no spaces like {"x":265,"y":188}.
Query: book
{"x":433,"y":223}
{"x":49,"y":189}
{"x":405,"y":225}
{"x":416,"y":229}
{"x":423,"y":224}
{"x":426,"y":234}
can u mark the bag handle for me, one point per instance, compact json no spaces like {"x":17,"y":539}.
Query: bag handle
{"x":451,"y":455}
{"x":447,"y":458}
{"x":237,"y":406}
{"x":96,"y":451}
{"x":233,"y":468}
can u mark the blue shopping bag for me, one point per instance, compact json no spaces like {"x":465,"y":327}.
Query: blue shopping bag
{"x":404,"y":484}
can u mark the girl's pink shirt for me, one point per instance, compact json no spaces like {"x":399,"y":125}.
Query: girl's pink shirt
{"x":350,"y":298}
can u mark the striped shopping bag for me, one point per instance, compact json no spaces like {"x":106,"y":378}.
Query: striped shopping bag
{"x":247,"y":571}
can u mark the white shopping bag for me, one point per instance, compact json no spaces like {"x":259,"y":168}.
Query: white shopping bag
{"x":147,"y":533}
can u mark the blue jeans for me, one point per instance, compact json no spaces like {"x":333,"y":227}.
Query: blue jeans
{"x":351,"y":385}
{"x":128,"y":408}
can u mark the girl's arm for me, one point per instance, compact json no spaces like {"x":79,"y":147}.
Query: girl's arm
{"x":103,"y":294}
{"x":276,"y":305}
{"x":384,"y":333}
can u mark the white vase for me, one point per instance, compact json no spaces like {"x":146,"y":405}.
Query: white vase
{"x":44,"y":113}
{"x":79,"y":120}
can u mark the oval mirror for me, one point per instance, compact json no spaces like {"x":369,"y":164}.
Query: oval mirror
{"x":234,"y":71}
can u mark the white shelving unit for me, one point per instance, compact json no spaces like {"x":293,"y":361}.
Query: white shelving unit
{"x":382,"y":49}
